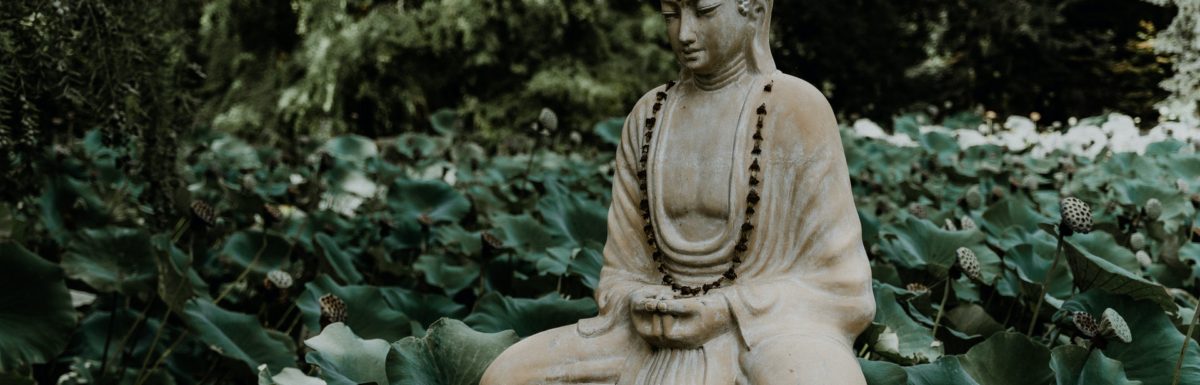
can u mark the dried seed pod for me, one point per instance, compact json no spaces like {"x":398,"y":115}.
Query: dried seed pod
{"x":1153,"y":209}
{"x":917,"y":210}
{"x":272,"y":214}
{"x":969,"y":263}
{"x":1143,"y":259}
{"x":278,"y":279}
{"x":968,"y":223}
{"x":491,"y":244}
{"x":333,"y":309}
{"x":1076,"y":217}
{"x":548,"y":120}
{"x":1113,"y":325}
{"x":204,"y":213}
{"x":425,"y":219}
{"x":917,"y":288}
{"x":998,"y":192}
{"x":974,"y":198}
{"x":1085,"y":323}
{"x":1137,"y":241}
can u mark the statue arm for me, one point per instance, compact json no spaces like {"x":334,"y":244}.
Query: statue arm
{"x":626,"y":257}
{"x":818,"y":273}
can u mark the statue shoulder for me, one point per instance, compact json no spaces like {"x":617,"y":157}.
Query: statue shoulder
{"x":646,"y":102}
{"x":798,"y":101}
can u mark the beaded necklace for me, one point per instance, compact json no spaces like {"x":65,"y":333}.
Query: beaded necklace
{"x":752,"y":198}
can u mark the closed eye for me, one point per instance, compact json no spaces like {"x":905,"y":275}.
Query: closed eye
{"x":704,"y":9}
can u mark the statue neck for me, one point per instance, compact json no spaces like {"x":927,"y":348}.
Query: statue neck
{"x":724,"y":76}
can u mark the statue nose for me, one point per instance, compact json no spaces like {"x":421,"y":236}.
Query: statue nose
{"x":687,"y":29}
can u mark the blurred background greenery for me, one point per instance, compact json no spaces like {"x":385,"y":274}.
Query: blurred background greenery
{"x":150,"y":71}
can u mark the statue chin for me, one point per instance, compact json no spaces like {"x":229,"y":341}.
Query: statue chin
{"x":765,"y":296}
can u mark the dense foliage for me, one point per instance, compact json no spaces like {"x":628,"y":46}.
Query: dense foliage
{"x":237,"y":191}
{"x":382,"y":239}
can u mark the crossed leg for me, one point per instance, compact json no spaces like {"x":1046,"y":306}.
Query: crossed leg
{"x":562,"y":356}
{"x":801,"y":359}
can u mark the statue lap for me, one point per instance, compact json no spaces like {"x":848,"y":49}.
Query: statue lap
{"x":562,"y":356}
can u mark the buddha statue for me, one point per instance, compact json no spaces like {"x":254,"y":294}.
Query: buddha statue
{"x":734,"y":251}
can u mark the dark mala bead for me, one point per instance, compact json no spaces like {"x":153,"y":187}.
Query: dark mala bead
{"x":752,"y":197}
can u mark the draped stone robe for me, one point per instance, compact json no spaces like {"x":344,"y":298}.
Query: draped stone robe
{"x":803,"y":291}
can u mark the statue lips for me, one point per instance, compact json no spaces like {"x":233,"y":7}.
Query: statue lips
{"x":691,"y":54}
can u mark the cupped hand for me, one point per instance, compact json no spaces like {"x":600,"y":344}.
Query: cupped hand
{"x":680,"y":323}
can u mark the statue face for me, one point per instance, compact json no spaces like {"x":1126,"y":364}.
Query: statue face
{"x":706,"y":34}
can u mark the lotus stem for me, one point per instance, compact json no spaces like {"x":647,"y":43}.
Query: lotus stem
{"x":124,"y":340}
{"x":1183,"y":350}
{"x":1045,"y":282}
{"x":941,"y":309}
{"x":285,"y":316}
{"x":112,"y":323}
{"x":245,"y":272}
{"x":180,"y":229}
{"x":142,"y":377}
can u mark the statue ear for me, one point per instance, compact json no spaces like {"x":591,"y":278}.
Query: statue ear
{"x":754,"y":9}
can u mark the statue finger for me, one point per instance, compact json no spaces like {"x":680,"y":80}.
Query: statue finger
{"x":682,"y":308}
{"x":647,"y":304}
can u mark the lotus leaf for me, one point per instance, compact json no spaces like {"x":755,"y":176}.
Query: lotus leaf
{"x":450,"y":353}
{"x":1151,"y":356}
{"x":1074,"y":365}
{"x":237,"y":336}
{"x":346,"y":359}
{"x":111,"y":259}
{"x":368,"y":311}
{"x":36,"y":316}
{"x":495,"y":313}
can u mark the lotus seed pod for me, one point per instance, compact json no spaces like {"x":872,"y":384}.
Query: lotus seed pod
{"x":1137,"y":241}
{"x":1085,"y":323}
{"x":998,"y":192}
{"x":1076,"y":216}
{"x":273,"y":213}
{"x":969,"y":263}
{"x":1153,"y":209}
{"x":950,"y":225}
{"x":333,"y":309}
{"x":968,"y":223}
{"x":491,"y":240}
{"x":974,"y":198}
{"x":1112,"y":324}
{"x":205,"y":213}
{"x":548,"y":120}
{"x":917,"y":288}
{"x":279,"y":278}
{"x":1144,"y":259}
{"x":917,"y":210}
{"x":425,"y":219}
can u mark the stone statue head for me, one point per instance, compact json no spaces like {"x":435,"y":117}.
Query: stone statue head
{"x":707,"y":35}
